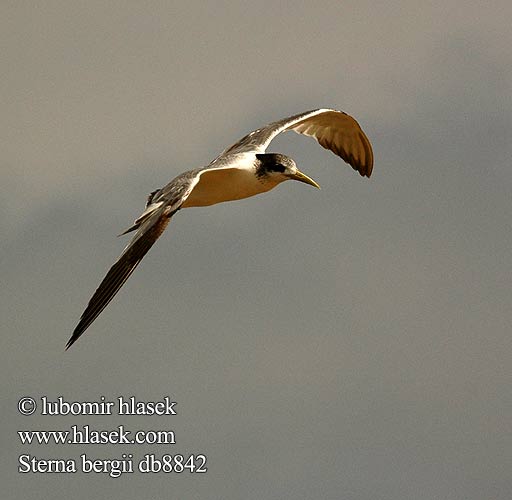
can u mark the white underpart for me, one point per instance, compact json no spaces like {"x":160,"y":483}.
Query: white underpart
{"x":235,"y":181}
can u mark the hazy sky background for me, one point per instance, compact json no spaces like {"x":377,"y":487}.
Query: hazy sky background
{"x":348,"y":343}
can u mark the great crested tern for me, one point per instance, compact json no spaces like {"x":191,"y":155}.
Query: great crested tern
{"x":242,"y":170}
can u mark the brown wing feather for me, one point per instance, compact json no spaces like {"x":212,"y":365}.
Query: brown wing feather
{"x":118,"y":274}
{"x":341,"y":134}
{"x":334,"y":130}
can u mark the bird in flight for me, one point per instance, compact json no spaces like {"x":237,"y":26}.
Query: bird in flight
{"x":242,"y":170}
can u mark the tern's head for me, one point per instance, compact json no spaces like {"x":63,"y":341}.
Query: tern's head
{"x":275,"y":167}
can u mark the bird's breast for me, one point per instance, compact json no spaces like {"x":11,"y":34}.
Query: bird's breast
{"x":228,"y":184}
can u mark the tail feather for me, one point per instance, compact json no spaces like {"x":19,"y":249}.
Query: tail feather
{"x":129,"y":230}
{"x":149,"y":211}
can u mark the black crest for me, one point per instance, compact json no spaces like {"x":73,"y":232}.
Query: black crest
{"x":272,"y":162}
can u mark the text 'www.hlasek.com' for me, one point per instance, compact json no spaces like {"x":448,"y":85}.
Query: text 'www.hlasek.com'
{"x":84,"y":435}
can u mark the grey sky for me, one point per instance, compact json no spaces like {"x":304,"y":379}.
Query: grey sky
{"x":350,"y":343}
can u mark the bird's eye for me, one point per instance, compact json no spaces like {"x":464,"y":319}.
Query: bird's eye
{"x":278,"y":167}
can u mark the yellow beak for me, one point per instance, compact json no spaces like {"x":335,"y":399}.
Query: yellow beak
{"x":299,"y":176}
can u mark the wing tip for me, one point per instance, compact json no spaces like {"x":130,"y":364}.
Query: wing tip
{"x":77,"y":332}
{"x":71,"y":341}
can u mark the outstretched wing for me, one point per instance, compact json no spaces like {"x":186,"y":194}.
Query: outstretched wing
{"x":118,"y":274}
{"x":334,"y":130}
{"x":150,"y":226}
